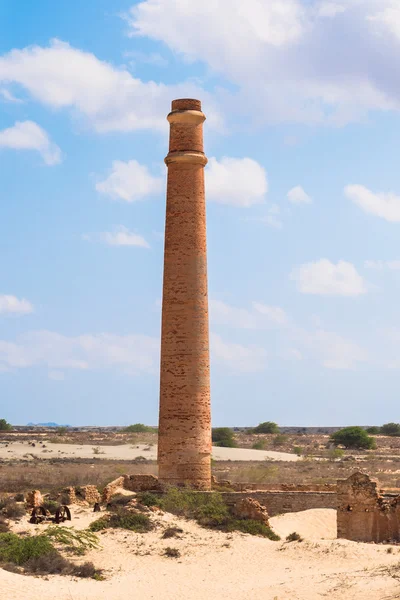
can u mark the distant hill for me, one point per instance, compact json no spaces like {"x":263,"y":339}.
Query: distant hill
{"x":46,"y":425}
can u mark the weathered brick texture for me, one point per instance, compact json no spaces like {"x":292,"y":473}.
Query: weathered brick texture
{"x":184,"y":442}
{"x":364,"y":514}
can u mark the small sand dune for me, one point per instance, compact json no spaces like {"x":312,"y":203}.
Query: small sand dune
{"x":21,"y":450}
{"x":315,"y":524}
{"x":219,"y":565}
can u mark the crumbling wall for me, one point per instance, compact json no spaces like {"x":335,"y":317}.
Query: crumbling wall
{"x":89,"y":494}
{"x":248,"y":508}
{"x":363,"y":513}
{"x":141,"y":483}
{"x":279,"y":502}
{"x":112,"y":487}
{"x":34,"y":498}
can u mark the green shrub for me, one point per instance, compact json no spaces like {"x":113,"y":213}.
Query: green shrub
{"x":37,"y":554}
{"x":280,"y":439}
{"x":51,"y":506}
{"x":223,"y":437}
{"x":390,"y":429}
{"x":335,"y":453}
{"x":19,"y":497}
{"x":19,"y":550}
{"x":3,"y":525}
{"x":81,"y":540}
{"x":373,"y":430}
{"x":210,"y":510}
{"x":259,"y":445}
{"x":4,"y":426}
{"x":61,"y":430}
{"x":119,"y":500}
{"x":266,"y":427}
{"x":148,"y":499}
{"x":252,"y":527}
{"x":139,"y":428}
{"x":298,"y":450}
{"x":353,"y":437}
{"x":294,"y":537}
{"x":11,"y":509}
{"x":123,"y":519}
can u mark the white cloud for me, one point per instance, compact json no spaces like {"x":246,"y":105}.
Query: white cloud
{"x":381,"y":265}
{"x":124,"y":237}
{"x":382,"y":204}
{"x":262,"y":317}
{"x":323,"y":277}
{"x":130,"y":181}
{"x":298,"y":196}
{"x":12,"y":305}
{"x":290,"y":342}
{"x":237,"y":358}
{"x":236,"y":181}
{"x":121,"y":236}
{"x":131,"y":353}
{"x":272,"y":52}
{"x":335,"y":351}
{"x":108,"y":98}
{"x":224,"y":314}
{"x":275,"y":314}
{"x":27,"y":135}
{"x":9,"y":97}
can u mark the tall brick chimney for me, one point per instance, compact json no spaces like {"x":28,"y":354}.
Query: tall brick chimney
{"x":184,"y":437}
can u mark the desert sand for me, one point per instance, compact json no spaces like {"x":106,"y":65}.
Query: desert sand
{"x":15,"y":450}
{"x":220,"y":565}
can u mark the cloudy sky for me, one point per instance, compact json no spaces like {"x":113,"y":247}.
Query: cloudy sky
{"x":302,"y":99}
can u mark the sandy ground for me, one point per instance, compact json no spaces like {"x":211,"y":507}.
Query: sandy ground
{"x":23,"y":450}
{"x":220,"y":565}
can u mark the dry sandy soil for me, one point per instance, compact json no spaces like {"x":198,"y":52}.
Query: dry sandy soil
{"x":221,"y":565}
{"x":15,"y":450}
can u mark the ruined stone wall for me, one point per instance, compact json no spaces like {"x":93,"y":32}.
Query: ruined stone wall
{"x":364,"y":514}
{"x":141,"y":483}
{"x":284,"y":487}
{"x":112,"y":487}
{"x":279,"y":502}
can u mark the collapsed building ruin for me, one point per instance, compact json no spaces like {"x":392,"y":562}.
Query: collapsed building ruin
{"x":365,"y":513}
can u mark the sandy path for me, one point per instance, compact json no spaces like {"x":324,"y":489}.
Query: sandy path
{"x":218,"y":565}
{"x":15,"y":450}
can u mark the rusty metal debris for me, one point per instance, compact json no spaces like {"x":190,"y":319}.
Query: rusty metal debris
{"x":40,"y":515}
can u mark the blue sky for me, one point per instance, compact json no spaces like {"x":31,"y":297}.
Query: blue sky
{"x":303,"y":204}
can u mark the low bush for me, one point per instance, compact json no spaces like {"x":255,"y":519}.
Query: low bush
{"x":298,"y":450}
{"x":37,"y":555}
{"x":294,"y":537}
{"x":119,"y":501}
{"x":148,"y":499}
{"x":259,"y":445}
{"x":210,"y":510}
{"x":19,"y":498}
{"x":267,"y":427}
{"x":171,"y":532}
{"x":11,"y":509}
{"x":223,"y":437}
{"x":280,"y":439}
{"x":252,"y":527}
{"x":172,"y":552}
{"x":353,"y":437}
{"x":139,"y":428}
{"x":3,"y":525}
{"x":78,"y":541}
{"x":123,"y":519}
{"x":51,"y":506}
